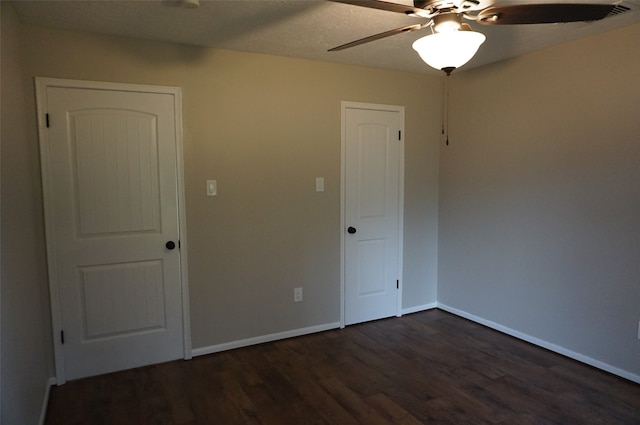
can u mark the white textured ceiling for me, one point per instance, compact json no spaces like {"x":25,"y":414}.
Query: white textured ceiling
{"x":299,"y":28}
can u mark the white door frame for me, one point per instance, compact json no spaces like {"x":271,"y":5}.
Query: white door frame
{"x":42,"y":84}
{"x":344,"y":105}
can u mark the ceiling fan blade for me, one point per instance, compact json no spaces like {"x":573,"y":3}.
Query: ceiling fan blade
{"x":543,"y":13}
{"x":379,"y":36}
{"x":388,"y":6}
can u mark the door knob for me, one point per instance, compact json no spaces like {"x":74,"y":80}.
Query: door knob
{"x":170,"y":245}
{"x":351,"y":230}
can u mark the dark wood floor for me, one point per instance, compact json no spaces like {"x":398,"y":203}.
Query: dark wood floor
{"x":424,"y":368}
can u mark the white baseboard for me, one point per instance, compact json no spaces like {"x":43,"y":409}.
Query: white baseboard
{"x":45,"y":402}
{"x":544,"y":344}
{"x":419,"y":308}
{"x":493,"y":325}
{"x":263,"y":338}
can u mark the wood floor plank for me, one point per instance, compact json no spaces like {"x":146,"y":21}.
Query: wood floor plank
{"x":424,"y":368}
{"x":353,"y":402}
{"x":390,"y":411}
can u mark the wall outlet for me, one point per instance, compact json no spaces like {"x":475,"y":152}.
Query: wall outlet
{"x":297,"y":295}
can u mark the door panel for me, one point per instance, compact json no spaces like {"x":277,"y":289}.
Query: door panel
{"x":371,"y":267}
{"x":122,"y":299}
{"x":111,"y":194}
{"x":116,"y":171}
{"x":372,"y":204}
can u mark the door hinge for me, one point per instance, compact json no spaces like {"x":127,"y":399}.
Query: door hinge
{"x":62,"y":337}
{"x":46,"y":119}
{"x":397,"y":284}
{"x":399,"y":134}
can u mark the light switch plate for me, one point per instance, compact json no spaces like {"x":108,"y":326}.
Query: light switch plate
{"x":319,"y":184}
{"x":212,"y":188}
{"x":297,"y":295}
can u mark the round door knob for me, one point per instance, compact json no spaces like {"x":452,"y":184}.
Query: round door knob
{"x":351,"y":230}
{"x":170,"y":245}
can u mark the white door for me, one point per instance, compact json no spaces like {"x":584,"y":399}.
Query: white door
{"x":109,"y":161}
{"x":373,"y":157}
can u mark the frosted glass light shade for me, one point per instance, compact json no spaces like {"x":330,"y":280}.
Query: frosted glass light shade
{"x":448,"y":50}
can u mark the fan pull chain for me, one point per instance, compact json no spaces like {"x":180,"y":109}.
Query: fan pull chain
{"x":443,"y":105}
{"x":445,"y":108}
{"x":447,"y":79}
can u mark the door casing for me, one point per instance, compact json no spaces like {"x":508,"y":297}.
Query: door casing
{"x":42,"y":84}
{"x":344,"y":106}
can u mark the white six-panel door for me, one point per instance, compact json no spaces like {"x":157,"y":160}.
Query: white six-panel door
{"x":373,"y":156}
{"x":110,"y":180}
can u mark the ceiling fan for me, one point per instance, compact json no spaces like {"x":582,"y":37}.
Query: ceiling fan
{"x":452,"y":42}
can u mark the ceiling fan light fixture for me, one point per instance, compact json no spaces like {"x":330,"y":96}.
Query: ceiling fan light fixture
{"x":447,"y":51}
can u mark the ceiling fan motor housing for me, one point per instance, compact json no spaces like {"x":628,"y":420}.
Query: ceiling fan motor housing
{"x":447,"y":21}
{"x":434,"y":6}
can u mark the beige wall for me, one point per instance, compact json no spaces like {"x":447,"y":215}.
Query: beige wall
{"x":540,"y":197}
{"x":26,"y":332}
{"x":264,"y":127}
{"x":539,"y":200}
